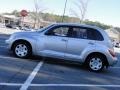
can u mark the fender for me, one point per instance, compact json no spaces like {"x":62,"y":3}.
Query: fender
{"x":31,"y":39}
{"x":92,"y":49}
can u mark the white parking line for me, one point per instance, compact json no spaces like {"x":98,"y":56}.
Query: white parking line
{"x":8,"y":57}
{"x":2,"y":46}
{"x":31,"y":77}
{"x":115,"y":67}
{"x":72,"y":85}
{"x":11,"y":84}
{"x":61,"y":85}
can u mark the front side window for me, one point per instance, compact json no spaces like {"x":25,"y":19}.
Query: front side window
{"x":59,"y":31}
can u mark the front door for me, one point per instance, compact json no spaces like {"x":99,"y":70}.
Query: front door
{"x":56,"y":41}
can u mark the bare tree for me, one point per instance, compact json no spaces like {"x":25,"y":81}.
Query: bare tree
{"x":81,"y":6}
{"x":36,"y":15}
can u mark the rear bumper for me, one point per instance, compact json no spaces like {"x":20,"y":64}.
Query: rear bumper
{"x":113,"y":61}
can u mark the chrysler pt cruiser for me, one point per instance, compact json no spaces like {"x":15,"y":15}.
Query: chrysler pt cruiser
{"x":85,"y":44}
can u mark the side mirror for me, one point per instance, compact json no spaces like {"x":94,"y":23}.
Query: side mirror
{"x":49,"y":33}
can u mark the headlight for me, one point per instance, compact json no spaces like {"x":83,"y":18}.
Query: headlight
{"x":10,"y":38}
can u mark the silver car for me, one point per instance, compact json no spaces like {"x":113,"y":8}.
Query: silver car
{"x":85,"y":44}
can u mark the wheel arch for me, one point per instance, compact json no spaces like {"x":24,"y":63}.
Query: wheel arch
{"x":99,"y":54}
{"x":21,"y":40}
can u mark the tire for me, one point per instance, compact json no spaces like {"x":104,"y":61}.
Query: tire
{"x":22,"y":50}
{"x":95,"y":63}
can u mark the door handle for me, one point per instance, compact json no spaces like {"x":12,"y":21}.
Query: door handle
{"x":91,"y":43}
{"x":64,"y":40}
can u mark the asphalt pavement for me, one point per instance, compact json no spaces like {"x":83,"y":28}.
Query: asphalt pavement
{"x":50,"y":74}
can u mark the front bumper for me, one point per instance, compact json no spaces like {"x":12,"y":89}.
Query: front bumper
{"x":8,"y":42}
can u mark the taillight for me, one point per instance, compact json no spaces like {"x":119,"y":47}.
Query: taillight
{"x":112,"y":52}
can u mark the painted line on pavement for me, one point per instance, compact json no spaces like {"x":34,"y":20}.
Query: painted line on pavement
{"x":31,"y":76}
{"x":60,"y":85}
{"x":10,"y":57}
{"x":115,"y":67}
{"x":11,"y":84}
{"x":72,"y":85}
{"x":7,"y":57}
{"x":3,"y":46}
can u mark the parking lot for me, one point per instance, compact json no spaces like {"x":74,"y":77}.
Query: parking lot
{"x":48,"y":74}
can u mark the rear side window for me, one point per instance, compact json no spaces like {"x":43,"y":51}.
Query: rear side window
{"x":94,"y":35}
{"x":85,"y":33}
{"x":80,"y":33}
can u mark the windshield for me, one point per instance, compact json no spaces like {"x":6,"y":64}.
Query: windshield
{"x":44,"y":28}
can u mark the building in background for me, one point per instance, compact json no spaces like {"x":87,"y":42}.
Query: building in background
{"x":113,"y":34}
{"x":26,"y":21}
{"x":9,"y":19}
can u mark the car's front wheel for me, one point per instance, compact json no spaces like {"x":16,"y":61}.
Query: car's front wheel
{"x":95,"y":63}
{"x":22,"y":49}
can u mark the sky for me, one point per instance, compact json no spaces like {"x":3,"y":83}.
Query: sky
{"x":104,"y":11}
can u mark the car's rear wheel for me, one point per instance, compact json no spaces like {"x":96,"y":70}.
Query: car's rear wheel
{"x":95,"y":63}
{"x":22,"y":49}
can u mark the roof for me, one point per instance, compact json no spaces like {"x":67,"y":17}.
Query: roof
{"x":78,"y":24}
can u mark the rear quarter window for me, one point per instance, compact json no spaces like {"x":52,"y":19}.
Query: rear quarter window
{"x":94,"y":34}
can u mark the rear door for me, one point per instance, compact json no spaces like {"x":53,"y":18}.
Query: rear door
{"x":78,"y":42}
